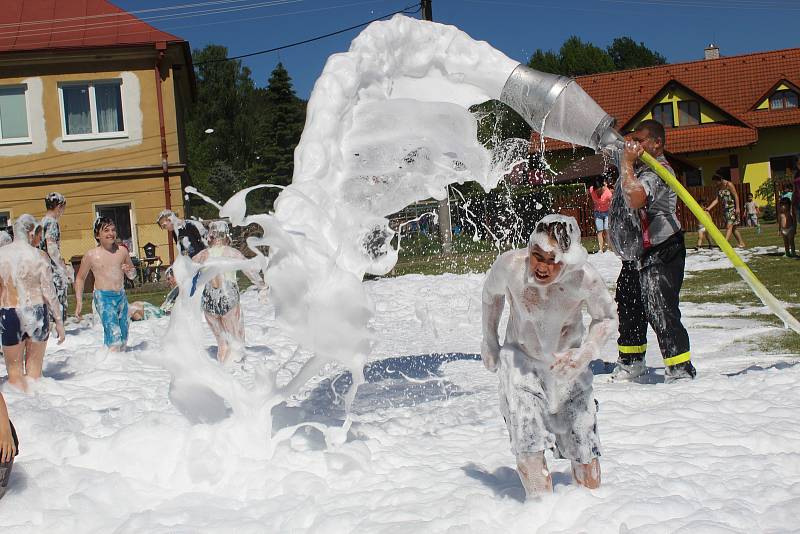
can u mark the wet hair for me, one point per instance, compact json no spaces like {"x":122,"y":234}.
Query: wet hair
{"x":54,"y":200}
{"x":165,"y":214}
{"x":722,"y":173}
{"x":655,"y":130}
{"x":24,"y":225}
{"x":219,"y":230}
{"x":557,"y":231}
{"x":100,"y":223}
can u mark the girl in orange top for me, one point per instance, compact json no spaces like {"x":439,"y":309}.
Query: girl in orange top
{"x":601,"y":199}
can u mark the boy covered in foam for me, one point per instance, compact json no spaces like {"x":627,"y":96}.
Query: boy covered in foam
{"x":109,"y":263}
{"x":545,"y":382}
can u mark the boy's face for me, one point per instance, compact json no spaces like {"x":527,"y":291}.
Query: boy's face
{"x":107,"y":235}
{"x":543,"y":267}
{"x":166,"y":224}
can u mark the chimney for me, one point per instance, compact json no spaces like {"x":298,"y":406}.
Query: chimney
{"x":712,"y":51}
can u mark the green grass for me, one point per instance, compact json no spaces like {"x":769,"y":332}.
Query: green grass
{"x":781,"y":275}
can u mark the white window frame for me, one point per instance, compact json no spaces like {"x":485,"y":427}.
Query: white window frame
{"x":96,"y":134}
{"x":19,"y":140}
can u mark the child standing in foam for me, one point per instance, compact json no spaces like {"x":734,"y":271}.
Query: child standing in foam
{"x":51,"y":243}
{"x":545,"y":383}
{"x":27,"y":298}
{"x":221,"y":295}
{"x":108,"y":263}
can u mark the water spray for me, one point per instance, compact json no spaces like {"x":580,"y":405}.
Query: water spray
{"x":557,"y":107}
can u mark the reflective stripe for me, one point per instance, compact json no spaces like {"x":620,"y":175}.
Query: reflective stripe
{"x":632,"y":349}
{"x":680,"y":358}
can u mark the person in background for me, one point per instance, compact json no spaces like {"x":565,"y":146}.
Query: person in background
{"x":702,"y":233}
{"x":186,"y":234}
{"x":27,"y":295}
{"x":796,"y":194}
{"x":51,"y":243}
{"x":751,"y":212}
{"x":601,"y":200}
{"x":221,"y":294}
{"x":9,"y":446}
{"x":787,"y":224}
{"x":144,"y":311}
{"x":726,"y":193}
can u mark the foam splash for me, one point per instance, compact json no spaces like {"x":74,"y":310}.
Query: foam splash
{"x":387,"y":124}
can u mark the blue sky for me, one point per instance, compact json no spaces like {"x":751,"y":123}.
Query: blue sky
{"x":679,"y":29}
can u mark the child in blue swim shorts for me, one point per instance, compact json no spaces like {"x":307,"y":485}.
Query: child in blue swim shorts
{"x":108,"y":263}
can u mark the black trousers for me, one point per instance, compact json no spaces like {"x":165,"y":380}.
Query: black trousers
{"x":648,"y":293}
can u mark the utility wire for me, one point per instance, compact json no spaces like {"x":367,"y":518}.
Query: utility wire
{"x":121,"y":13}
{"x":32,"y":32}
{"x":404,"y":11}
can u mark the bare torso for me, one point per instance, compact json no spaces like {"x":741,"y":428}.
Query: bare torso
{"x":107,"y":267}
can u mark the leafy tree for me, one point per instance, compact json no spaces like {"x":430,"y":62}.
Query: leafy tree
{"x":577,"y":58}
{"x":224,"y":105}
{"x":627,"y":54}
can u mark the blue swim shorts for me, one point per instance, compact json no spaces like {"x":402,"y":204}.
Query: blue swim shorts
{"x":601,"y":220}
{"x":112,"y":306}
{"x":19,"y":324}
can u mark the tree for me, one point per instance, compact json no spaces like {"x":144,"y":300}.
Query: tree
{"x":627,"y":54}
{"x":224,"y":105}
{"x":576,"y":58}
{"x":280,"y":120}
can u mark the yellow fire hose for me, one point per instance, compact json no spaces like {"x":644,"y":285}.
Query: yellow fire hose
{"x":755,"y":284}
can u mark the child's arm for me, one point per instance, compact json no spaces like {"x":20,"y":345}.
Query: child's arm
{"x":50,"y":297}
{"x":80,"y":280}
{"x":493,"y":302}
{"x":601,"y":309}
{"x":713,"y":203}
{"x":7,"y":448}
{"x":127,"y":265}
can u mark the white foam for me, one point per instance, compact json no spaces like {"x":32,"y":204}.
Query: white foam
{"x":387,"y":124}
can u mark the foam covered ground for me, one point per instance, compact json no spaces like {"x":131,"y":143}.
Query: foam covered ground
{"x":104,"y":450}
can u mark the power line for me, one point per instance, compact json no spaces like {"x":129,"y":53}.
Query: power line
{"x":121,"y":13}
{"x":404,"y":11}
{"x":32,"y":32}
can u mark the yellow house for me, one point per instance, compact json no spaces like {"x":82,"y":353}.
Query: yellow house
{"x":738,"y":112}
{"x":92,"y":102}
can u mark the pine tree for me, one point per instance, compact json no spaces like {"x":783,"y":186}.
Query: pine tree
{"x":281,"y":115}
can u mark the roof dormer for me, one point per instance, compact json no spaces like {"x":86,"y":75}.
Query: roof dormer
{"x":782,"y":95}
{"x":676,"y":105}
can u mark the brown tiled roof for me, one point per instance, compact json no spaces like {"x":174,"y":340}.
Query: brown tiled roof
{"x":735,"y":84}
{"x":57,"y":24}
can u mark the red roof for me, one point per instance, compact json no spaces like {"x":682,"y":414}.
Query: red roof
{"x":54,"y":24}
{"x":735,"y":85}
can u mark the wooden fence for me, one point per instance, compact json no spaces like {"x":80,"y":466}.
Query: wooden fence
{"x":580,"y":207}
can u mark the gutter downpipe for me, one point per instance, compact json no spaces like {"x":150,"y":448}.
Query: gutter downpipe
{"x":161,"y":48}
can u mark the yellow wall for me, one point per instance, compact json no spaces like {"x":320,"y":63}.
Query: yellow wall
{"x":141,"y":148}
{"x":97,"y":171}
{"x":773,"y":142}
{"x":144,"y":193}
{"x":708,"y":113}
{"x":753,"y":161}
